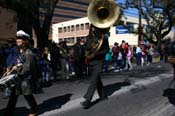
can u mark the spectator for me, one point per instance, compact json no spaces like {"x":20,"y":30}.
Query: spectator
{"x":107,"y":61}
{"x":115,"y":52}
{"x":128,"y":58}
{"x":79,"y":53}
{"x":138,"y":55}
{"x":64,"y":60}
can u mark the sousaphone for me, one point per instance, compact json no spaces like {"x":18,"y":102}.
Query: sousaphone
{"x":102,"y":14}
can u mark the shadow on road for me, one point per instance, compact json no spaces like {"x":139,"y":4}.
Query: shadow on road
{"x":110,"y":89}
{"x":149,"y":72}
{"x":47,"y":105}
{"x":54,"y":103}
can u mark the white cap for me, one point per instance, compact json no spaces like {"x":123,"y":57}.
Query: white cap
{"x":22,"y":35}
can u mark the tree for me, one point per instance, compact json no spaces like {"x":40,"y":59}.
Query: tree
{"x":42,"y":17}
{"x":36,"y":14}
{"x":159,"y":19}
{"x":22,"y":11}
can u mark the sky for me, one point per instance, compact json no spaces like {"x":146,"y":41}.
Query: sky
{"x":130,"y":11}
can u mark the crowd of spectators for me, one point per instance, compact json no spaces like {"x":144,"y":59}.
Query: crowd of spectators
{"x":59,"y":62}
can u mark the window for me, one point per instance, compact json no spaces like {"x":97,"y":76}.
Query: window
{"x":87,"y":25}
{"x":77,"y":27}
{"x":68,"y":28}
{"x":60,"y":30}
{"x":72,"y":28}
{"x":64,"y":29}
{"x":71,"y":40}
{"x":82,"y":26}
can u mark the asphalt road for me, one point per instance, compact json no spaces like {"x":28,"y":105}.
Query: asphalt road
{"x":128,"y":91}
{"x":145,"y":99}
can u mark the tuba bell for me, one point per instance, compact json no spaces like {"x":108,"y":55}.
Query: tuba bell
{"x":102,"y":14}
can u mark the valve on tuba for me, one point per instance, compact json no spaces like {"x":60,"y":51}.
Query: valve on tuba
{"x":102,"y":14}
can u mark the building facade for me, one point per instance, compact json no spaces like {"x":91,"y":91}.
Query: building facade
{"x":71,"y":30}
{"x":71,"y":23}
{"x":66,"y":10}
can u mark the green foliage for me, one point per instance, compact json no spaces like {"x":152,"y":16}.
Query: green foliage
{"x":159,"y":15}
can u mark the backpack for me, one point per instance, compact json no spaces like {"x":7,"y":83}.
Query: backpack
{"x":115,"y":50}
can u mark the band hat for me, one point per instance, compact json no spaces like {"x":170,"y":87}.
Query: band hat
{"x":22,"y":35}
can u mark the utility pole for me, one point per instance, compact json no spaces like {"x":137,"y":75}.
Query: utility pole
{"x":140,"y":20}
{"x":138,"y":4}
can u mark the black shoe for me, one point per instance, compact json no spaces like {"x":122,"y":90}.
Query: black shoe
{"x":85,"y":104}
{"x":104,"y":98}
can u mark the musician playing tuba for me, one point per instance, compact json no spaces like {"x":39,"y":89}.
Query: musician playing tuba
{"x":95,"y":64}
{"x":99,"y":14}
{"x":94,"y":44}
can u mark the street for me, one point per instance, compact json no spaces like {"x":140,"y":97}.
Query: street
{"x":131,"y":93}
{"x":142,"y":101}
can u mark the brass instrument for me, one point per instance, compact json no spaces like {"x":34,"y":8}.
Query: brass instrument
{"x":102,"y":14}
{"x":95,"y":47}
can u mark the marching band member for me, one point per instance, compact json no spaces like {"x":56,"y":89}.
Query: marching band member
{"x":26,"y":75}
{"x":95,"y":64}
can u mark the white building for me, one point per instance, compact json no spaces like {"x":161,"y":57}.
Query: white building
{"x":79,"y":28}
